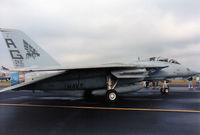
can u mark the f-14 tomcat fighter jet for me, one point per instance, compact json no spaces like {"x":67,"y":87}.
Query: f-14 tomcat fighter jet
{"x":36,"y":70}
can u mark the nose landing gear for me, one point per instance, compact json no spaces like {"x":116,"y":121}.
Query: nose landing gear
{"x":164,"y":89}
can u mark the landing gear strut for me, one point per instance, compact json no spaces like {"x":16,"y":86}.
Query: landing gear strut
{"x":111,"y":94}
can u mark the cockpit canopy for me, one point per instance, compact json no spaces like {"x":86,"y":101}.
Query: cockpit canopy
{"x":164,"y":60}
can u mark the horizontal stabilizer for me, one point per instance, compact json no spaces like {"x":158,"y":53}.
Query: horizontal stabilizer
{"x":18,"y":86}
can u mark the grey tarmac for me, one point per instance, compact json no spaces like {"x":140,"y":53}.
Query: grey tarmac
{"x":144,"y":112}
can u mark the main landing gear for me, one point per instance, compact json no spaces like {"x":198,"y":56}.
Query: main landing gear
{"x":164,"y":90}
{"x":111,"y":94}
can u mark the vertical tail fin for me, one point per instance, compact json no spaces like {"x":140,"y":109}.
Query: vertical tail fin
{"x":25,"y":52}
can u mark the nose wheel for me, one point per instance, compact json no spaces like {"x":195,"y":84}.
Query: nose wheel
{"x":164,"y":91}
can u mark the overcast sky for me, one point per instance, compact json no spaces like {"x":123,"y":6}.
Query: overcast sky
{"x":87,"y":32}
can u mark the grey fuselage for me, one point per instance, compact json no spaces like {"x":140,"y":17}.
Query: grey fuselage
{"x":91,"y":79}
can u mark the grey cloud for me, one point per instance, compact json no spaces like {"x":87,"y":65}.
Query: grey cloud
{"x":90,"y":31}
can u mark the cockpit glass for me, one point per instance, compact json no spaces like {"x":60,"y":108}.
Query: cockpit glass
{"x":152,"y":58}
{"x":163,"y":60}
{"x":174,"y":61}
{"x":188,"y":69}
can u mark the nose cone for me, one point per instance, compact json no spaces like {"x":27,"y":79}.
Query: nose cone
{"x":196,"y":73}
{"x":193,"y":73}
{"x":189,"y":72}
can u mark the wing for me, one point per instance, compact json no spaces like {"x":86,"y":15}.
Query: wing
{"x":121,"y":71}
{"x":111,"y":67}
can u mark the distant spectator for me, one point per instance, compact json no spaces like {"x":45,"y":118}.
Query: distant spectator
{"x":146,"y":84}
{"x":157,"y":84}
{"x":153,"y":84}
{"x":197,"y":81}
{"x":165,"y":84}
{"x":190,"y":82}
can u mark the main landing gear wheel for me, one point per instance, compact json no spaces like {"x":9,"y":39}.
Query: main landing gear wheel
{"x":164,"y":91}
{"x":111,"y":96}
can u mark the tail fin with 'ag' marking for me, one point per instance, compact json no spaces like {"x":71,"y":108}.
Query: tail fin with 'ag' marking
{"x":25,"y":52}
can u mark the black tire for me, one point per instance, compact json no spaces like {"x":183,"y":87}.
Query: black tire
{"x":162,"y":91}
{"x":166,"y":91}
{"x":88,"y":95}
{"x":111,"y":96}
